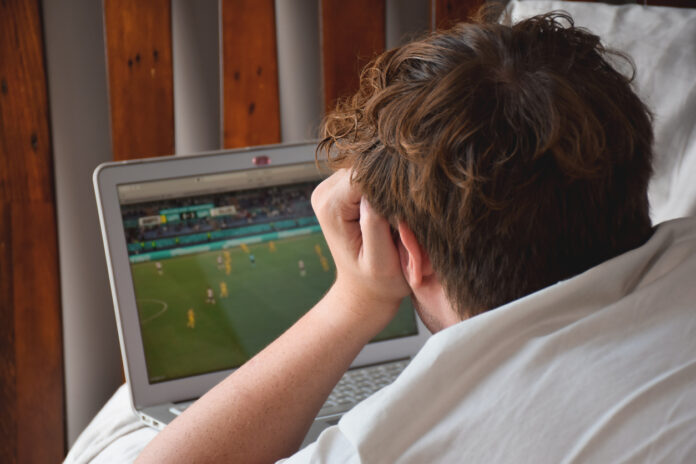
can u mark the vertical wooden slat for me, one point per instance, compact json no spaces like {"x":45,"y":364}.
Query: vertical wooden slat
{"x":31,"y":368}
{"x":251,"y":109}
{"x":8,"y":366}
{"x":446,"y":13}
{"x":671,"y":3}
{"x":352,"y":33}
{"x":139,"y":57}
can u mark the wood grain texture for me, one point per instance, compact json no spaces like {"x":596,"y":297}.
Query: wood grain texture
{"x":446,"y":13}
{"x":31,"y":364}
{"x":38,"y":340}
{"x":672,"y":3}
{"x":8,"y":367}
{"x":139,"y":59}
{"x":251,"y":107}
{"x":352,"y":33}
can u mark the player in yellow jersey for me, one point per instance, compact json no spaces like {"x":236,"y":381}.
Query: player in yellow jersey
{"x":223,"y":290}
{"x":324,"y":264}
{"x":228,"y":262}
{"x":271,"y":246}
{"x":244,"y":247}
{"x":317,"y":249}
{"x":191,"y":324}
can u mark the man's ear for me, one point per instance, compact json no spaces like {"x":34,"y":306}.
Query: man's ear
{"x":415,"y":262}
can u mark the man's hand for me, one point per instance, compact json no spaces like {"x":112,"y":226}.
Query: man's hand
{"x":361,"y":243}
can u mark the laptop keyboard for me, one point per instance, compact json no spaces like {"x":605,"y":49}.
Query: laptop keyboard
{"x":355,"y":385}
{"x":358,"y":384}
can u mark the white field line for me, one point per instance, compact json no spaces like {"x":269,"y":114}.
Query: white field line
{"x":165,"y":306}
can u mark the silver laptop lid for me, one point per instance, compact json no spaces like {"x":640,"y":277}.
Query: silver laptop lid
{"x":211,"y":257}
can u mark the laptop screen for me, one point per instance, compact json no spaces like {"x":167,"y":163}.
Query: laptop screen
{"x":222,"y":264}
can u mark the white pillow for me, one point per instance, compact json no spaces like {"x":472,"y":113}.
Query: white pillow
{"x":662,"y":43}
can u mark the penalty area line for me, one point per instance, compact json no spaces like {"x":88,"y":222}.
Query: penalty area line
{"x":165,"y":306}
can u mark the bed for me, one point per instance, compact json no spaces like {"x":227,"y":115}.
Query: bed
{"x":662,"y":42}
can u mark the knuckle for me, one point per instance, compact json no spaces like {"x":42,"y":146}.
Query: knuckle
{"x":318,"y":199}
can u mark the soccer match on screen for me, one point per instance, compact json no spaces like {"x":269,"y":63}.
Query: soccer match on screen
{"x":217,"y":277}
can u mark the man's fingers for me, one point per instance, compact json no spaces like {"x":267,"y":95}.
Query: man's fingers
{"x":335,"y":199}
{"x":379,"y":249}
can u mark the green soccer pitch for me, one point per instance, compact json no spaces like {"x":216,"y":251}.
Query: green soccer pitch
{"x":184,"y":333}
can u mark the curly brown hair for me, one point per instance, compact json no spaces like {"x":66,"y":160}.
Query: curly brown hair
{"x":517,"y":154}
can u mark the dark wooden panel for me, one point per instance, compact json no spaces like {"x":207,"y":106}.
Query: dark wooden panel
{"x":139,"y":57}
{"x":446,"y":13}
{"x":352,"y":33}
{"x":672,"y":3}
{"x":31,"y":364}
{"x":251,"y":108}
{"x":8,"y":370}
{"x":38,"y":341}
{"x":26,"y":172}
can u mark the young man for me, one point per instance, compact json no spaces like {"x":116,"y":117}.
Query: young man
{"x":513,"y":162}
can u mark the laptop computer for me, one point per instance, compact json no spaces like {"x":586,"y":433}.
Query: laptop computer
{"x":210,"y":258}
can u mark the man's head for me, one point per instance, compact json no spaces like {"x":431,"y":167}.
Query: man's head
{"x":516,"y":155}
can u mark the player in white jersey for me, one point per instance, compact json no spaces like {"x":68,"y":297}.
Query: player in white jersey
{"x":210,"y":296}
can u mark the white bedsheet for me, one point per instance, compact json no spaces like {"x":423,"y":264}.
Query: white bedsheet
{"x":115,"y":435}
{"x":662,"y":42}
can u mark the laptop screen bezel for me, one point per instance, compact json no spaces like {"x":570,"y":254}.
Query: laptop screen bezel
{"x":107,"y":178}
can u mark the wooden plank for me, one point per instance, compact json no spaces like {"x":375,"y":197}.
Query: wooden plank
{"x":671,"y":3}
{"x":38,"y":339}
{"x":352,"y":33}
{"x":446,"y":13}
{"x":251,"y":108}
{"x":31,"y":375}
{"x":8,"y":367}
{"x":139,"y":59}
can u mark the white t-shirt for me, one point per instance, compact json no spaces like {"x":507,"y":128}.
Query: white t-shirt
{"x":597,"y":368}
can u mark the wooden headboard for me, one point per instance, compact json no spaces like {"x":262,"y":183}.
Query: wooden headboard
{"x":139,"y":66}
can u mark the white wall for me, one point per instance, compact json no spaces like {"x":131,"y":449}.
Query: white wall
{"x":77,"y":90}
{"x":405,"y":20}
{"x":196,"y":67}
{"x":299,"y":72}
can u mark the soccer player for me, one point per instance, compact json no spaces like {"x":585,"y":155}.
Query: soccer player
{"x":252,"y":259}
{"x":191,"y":324}
{"x":303,"y":271}
{"x":223,"y":290}
{"x":271,"y":246}
{"x":210,"y":296}
{"x":220,"y":264}
{"x":158,"y":266}
{"x":228,"y":262}
{"x":324,"y":264}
